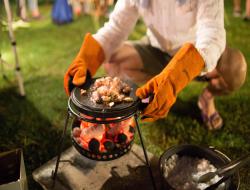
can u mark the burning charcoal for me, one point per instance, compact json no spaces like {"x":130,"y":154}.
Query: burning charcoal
{"x":104,"y":157}
{"x":98,"y":83}
{"x":84,"y":144}
{"x":76,"y":132}
{"x":94,"y":145}
{"x":107,"y":89}
{"x":122,"y":138}
{"x":116,"y":81}
{"x":126,"y":89}
{"x":78,"y":140}
{"x":115,"y":129}
{"x":106,"y":98}
{"x":131,"y":129}
{"x":115,"y":97}
{"x":120,"y":98}
{"x":111,"y":156}
{"x":93,"y":131}
{"x":111,"y":104}
{"x":96,"y":97}
{"x":128,"y":99}
{"x":83,"y":92}
{"x":103,"y":91}
{"x":84,"y":124}
{"x":99,"y":157}
{"x":109,"y":145}
{"x":108,"y":78}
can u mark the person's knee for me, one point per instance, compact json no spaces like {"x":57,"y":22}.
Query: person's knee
{"x":239,"y":71}
{"x":111,"y":68}
{"x":123,"y":61}
{"x":233,"y":69}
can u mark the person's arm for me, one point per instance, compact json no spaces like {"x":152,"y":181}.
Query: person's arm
{"x":117,"y":29}
{"x":95,"y":49}
{"x":183,"y":67}
{"x":211,"y":35}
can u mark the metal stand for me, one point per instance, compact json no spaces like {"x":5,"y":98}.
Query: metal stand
{"x":13,"y":43}
{"x":54,"y":172}
{"x":145,"y":153}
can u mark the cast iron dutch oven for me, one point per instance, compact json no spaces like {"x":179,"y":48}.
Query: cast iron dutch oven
{"x":84,"y":109}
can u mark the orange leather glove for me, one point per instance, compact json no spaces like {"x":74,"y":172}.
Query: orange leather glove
{"x":185,"y":65}
{"x":89,"y":58}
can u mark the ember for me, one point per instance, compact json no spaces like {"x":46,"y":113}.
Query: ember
{"x":104,"y":137}
{"x":109,"y":91}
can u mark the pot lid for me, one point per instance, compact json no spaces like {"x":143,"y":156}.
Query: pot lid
{"x":83,"y":103}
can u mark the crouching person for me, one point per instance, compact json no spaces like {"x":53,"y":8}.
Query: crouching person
{"x":185,"y":39}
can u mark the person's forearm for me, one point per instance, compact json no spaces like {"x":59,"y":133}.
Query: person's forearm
{"x":117,"y":29}
{"x":211,"y":35}
{"x":237,"y":5}
{"x":248,"y":8}
{"x":33,"y":5}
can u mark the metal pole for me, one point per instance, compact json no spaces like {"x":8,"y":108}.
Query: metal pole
{"x":145,"y":154}
{"x":54,"y":173}
{"x":13,"y":43}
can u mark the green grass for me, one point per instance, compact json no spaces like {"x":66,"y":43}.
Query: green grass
{"x":35,"y":123}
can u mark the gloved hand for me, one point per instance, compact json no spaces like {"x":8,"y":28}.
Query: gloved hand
{"x":89,"y":58}
{"x":184,"y":66}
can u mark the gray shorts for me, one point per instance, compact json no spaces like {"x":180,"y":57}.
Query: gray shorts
{"x":154,"y":60}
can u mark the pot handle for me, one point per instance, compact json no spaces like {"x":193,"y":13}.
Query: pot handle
{"x":145,"y":102}
{"x":225,"y":157}
{"x":85,"y":85}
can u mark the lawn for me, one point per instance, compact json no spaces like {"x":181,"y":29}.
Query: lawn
{"x":35,"y":122}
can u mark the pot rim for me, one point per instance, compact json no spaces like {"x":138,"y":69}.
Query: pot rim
{"x":221,"y":155}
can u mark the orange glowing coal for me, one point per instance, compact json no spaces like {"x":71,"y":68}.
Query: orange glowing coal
{"x":104,"y":137}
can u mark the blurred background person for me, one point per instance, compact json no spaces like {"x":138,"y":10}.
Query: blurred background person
{"x":97,"y":8}
{"x":237,"y":12}
{"x":163,"y":58}
{"x":21,"y":10}
{"x":237,"y":8}
{"x":34,"y":9}
{"x":101,"y":8}
{"x":79,"y":6}
{"x":247,"y":16}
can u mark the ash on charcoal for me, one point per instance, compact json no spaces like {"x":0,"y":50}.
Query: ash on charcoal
{"x":110,"y":91}
{"x":183,"y":172}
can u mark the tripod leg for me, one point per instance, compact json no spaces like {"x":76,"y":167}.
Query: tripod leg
{"x":145,"y":154}
{"x":13,"y":43}
{"x":54,"y":173}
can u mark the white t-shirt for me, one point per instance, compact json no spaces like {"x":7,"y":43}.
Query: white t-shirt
{"x":170,"y":24}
